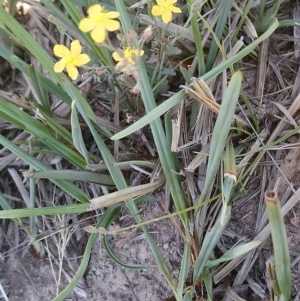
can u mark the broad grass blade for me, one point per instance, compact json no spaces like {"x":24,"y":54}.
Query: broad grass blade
{"x":234,"y":253}
{"x":72,"y":175}
{"x":77,"y":135}
{"x":207,"y":278}
{"x":210,"y":241}
{"x":280,"y":244}
{"x":221,"y":130}
{"x":184,"y":269}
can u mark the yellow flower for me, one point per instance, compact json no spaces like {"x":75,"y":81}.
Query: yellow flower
{"x":70,"y":59}
{"x":99,"y":21}
{"x":165,"y":8}
{"x":126,"y":58}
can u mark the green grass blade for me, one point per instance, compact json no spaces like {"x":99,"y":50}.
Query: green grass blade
{"x":221,"y":130}
{"x":12,"y":6}
{"x":197,"y":36}
{"x":234,"y":253}
{"x":246,"y":10}
{"x":184,"y":268}
{"x":200,"y":54}
{"x":168,"y":164}
{"x":134,"y":267}
{"x":38,"y":88}
{"x":289,"y":22}
{"x":59,"y":14}
{"x":210,"y":241}
{"x":37,"y":245}
{"x":266,"y":19}
{"x":77,"y":135}
{"x":188,"y":296}
{"x":4,"y":203}
{"x":207,"y":278}
{"x":151,"y":116}
{"x":58,"y":128}
{"x":280,"y":244}
{"x":223,"y":16}
{"x":64,"y":209}
{"x":72,"y":175}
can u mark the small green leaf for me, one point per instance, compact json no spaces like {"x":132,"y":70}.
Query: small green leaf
{"x":188,"y":296}
{"x":234,"y":253}
{"x":76,"y":134}
{"x":210,"y":241}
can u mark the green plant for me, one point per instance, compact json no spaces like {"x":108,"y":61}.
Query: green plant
{"x":142,"y":82}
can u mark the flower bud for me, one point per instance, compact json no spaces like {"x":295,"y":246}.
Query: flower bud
{"x":148,"y":34}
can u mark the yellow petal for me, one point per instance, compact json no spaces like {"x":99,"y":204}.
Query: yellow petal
{"x":61,"y":51}
{"x":157,"y":11}
{"x":98,"y":34}
{"x":86,"y":24}
{"x":75,"y":48}
{"x":81,"y":59}
{"x":127,"y":52}
{"x":167,"y":16}
{"x":121,"y":66}
{"x":130,"y":60}
{"x":112,"y":25}
{"x":60,"y":66}
{"x":95,"y":10}
{"x":175,"y":9}
{"x":168,"y":2}
{"x":116,"y":56}
{"x":161,"y":2}
{"x":112,"y":14}
{"x":72,"y":71}
{"x":137,"y":52}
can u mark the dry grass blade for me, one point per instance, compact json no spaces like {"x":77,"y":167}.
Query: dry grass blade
{"x":124,"y":194}
{"x":262,"y":67}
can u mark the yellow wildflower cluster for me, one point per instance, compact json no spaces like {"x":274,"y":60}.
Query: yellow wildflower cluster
{"x":98,"y":22}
